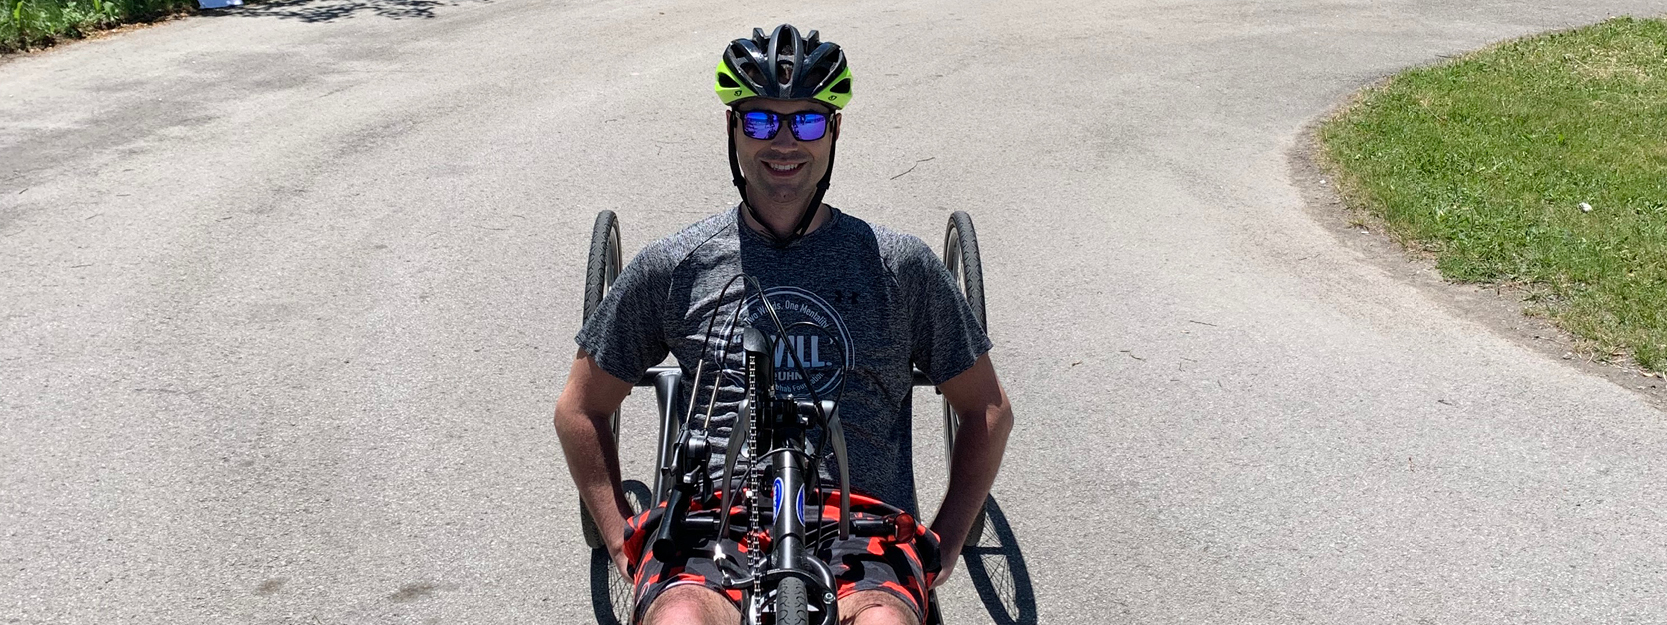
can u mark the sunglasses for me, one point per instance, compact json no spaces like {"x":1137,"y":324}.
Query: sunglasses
{"x":763,"y":125}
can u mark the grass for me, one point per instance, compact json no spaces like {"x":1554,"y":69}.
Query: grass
{"x":26,"y":24}
{"x":1539,"y":163}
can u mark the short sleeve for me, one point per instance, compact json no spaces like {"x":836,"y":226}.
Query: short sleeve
{"x":626,"y":333}
{"x":946,"y":339}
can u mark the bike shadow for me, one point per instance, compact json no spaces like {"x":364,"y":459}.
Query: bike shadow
{"x":996,"y":567}
{"x":610,"y":592}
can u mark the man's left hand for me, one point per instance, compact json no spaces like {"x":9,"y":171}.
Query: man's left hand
{"x":948,"y":558}
{"x":986,"y":419}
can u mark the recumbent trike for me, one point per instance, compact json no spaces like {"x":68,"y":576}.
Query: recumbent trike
{"x":786,"y":582}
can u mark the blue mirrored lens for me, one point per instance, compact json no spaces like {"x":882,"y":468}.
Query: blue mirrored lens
{"x":809,"y":126}
{"x":760,"y":125}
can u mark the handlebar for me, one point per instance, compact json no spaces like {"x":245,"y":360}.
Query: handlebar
{"x":654,"y":373}
{"x":898,"y":528}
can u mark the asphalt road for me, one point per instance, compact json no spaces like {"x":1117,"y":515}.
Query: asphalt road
{"x":288,"y":296}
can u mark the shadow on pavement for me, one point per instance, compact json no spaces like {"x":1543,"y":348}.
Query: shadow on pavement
{"x":610,"y":592}
{"x":997,"y":570}
{"x":315,"y":11}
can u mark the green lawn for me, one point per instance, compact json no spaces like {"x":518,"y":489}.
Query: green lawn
{"x":1539,"y":163}
{"x":37,"y":23}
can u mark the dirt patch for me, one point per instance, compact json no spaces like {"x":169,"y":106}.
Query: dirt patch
{"x":270,"y":586}
{"x":414,"y":591}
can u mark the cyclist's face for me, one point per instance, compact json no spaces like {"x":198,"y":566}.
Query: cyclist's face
{"x":783,"y":169}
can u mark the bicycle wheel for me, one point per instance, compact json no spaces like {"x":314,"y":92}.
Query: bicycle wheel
{"x":604,"y":264}
{"x":960,"y":254}
{"x":600,"y":271}
{"x":792,"y":607}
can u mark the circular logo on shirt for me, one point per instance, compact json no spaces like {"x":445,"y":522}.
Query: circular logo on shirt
{"x":817,"y":340}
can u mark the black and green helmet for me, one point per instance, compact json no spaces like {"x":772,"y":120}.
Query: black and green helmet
{"x":785,"y":66}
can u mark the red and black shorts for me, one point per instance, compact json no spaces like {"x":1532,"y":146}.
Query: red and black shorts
{"x":903,"y":568}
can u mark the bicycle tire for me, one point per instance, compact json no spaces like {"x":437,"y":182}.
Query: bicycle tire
{"x":792,"y":605}
{"x":966,"y":267}
{"x":603,"y":264}
{"x":601,"y":269}
{"x":961,"y":236}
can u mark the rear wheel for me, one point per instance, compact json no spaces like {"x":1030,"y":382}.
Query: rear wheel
{"x":791,"y":605}
{"x":603,"y":265}
{"x":600,"y":271}
{"x":960,"y":254}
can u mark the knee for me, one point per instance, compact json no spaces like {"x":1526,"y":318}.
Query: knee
{"x":875,"y":608}
{"x":670,"y":611}
{"x":683,"y":605}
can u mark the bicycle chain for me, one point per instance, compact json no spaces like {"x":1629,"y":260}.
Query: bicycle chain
{"x":754,"y":552}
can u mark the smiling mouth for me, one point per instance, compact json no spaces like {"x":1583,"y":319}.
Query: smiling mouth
{"x":784,"y":169}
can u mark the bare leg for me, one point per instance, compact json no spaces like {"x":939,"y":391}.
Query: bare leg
{"x":691,"y":604}
{"x":875,"y":607}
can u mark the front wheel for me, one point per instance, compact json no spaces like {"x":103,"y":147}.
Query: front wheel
{"x":791,"y":605}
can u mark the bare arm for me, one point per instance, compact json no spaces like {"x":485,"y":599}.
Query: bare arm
{"x":986,"y":419}
{"x":582,"y":412}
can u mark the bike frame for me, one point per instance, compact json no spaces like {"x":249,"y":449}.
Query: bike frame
{"x":779,"y":427}
{"x":775,"y":429}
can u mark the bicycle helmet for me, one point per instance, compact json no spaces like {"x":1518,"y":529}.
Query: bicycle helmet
{"x":785,"y":66}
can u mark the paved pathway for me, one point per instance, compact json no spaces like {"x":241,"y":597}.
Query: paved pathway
{"x":287,"y":298}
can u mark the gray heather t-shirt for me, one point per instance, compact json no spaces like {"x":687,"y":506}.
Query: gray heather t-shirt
{"x":885,"y":300}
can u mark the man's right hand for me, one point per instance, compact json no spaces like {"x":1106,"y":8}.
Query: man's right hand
{"x":582,"y":413}
{"x":616,"y":550}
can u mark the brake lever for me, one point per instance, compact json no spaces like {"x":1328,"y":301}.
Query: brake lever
{"x":836,"y":436}
{"x":737,"y":437}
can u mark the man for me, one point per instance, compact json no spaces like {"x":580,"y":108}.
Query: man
{"x":882,"y":301}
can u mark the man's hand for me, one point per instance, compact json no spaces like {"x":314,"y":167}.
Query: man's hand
{"x":616,"y":551}
{"x":986,"y":419}
{"x":948,"y":558}
{"x":587,"y":440}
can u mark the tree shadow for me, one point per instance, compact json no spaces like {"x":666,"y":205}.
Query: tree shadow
{"x":316,"y":11}
{"x":997,"y":570}
{"x":610,"y":592}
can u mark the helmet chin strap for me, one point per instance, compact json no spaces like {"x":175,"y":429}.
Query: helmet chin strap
{"x":807,"y":215}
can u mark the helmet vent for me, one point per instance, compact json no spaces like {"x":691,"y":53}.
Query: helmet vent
{"x":843,"y":86}
{"x":784,"y":44}
{"x":815,"y":75}
{"x":784,"y":72}
{"x":726,"y":82}
{"x":753,"y":74}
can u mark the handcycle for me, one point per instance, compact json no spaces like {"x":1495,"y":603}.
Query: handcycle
{"x":789,"y":584}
